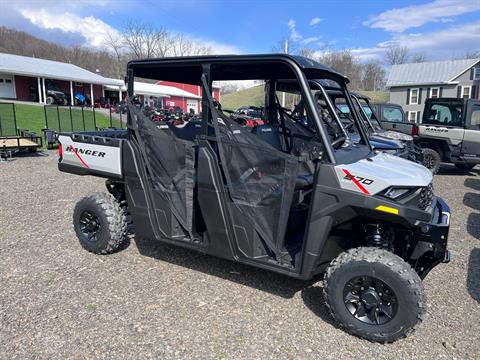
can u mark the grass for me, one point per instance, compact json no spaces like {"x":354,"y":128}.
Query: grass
{"x":32,"y":117}
{"x":377,"y":96}
{"x":254,"y":96}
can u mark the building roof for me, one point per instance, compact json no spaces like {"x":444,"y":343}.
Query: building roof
{"x":431,"y":72}
{"x":142,"y":88}
{"x":29,"y":66}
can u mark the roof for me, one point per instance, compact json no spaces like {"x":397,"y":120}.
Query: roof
{"x":29,"y":66}
{"x":228,"y":67}
{"x":432,"y":72}
{"x":142,"y":88}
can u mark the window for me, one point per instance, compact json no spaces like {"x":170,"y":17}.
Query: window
{"x":435,"y":93}
{"x":368,"y":111}
{"x":8,"y":81}
{"x":448,"y":113}
{"x":412,"y":116}
{"x":476,"y":74}
{"x":466,"y":92}
{"x":475,"y":121}
{"x":392,"y":114}
{"x":1,"y":81}
{"x":414,"y":96}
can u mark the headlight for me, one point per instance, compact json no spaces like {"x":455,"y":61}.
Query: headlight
{"x":395,"y":193}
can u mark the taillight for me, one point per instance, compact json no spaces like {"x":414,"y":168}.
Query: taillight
{"x":60,"y":152}
{"x":414,"y":130}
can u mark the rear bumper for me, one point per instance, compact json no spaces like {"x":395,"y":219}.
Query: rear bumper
{"x":431,"y":240}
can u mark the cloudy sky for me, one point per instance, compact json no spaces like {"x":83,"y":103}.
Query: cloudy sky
{"x":441,"y":29}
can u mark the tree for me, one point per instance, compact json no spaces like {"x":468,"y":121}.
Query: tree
{"x":345,"y":63}
{"x":472,"y":54}
{"x":373,"y":78}
{"x":396,"y":55}
{"x":419,"y":58}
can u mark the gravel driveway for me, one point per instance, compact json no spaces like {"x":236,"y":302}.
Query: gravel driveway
{"x":154,"y":301}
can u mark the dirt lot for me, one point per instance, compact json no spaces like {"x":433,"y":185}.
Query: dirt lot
{"x":152,"y":300}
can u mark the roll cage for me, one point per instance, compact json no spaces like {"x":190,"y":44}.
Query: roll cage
{"x":203,"y":70}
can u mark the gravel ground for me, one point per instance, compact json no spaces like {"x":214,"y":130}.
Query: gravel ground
{"x":157,"y":301}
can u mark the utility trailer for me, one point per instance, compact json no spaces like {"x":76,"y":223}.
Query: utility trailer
{"x":13,"y":139}
{"x":26,"y":140}
{"x":289,"y":196}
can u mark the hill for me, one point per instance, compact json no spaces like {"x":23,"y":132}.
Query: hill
{"x":254,"y":96}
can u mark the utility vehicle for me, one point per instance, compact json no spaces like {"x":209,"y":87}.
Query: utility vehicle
{"x":392,"y":142}
{"x":286,"y":196}
{"x":391,"y":116}
{"x":450,"y":132}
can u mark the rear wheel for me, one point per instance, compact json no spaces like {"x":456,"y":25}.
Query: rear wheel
{"x":374,"y":294}
{"x":100,"y":223}
{"x":431,"y":160}
{"x":50,"y":100}
{"x":465,"y":167}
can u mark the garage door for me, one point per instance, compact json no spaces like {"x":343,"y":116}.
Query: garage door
{"x":7,"y":86}
{"x":192,"y":104}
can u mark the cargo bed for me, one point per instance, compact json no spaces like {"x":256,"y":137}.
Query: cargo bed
{"x":97,"y":153}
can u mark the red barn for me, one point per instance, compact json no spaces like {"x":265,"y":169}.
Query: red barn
{"x":28,"y":79}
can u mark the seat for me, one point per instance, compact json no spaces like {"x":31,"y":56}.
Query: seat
{"x":187,"y":132}
{"x":269,"y":134}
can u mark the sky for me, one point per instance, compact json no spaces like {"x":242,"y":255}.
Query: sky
{"x":440,"y":29}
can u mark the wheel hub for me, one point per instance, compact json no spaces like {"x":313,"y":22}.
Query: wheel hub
{"x":370,"y":300}
{"x":89,"y":225}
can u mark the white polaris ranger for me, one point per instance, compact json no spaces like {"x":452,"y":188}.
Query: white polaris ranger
{"x":288,"y":196}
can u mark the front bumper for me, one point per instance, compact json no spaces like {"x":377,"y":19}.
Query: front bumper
{"x":431,"y":240}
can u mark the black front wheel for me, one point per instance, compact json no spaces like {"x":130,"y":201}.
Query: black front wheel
{"x":431,"y":160}
{"x":100,"y":223}
{"x":374,"y":294}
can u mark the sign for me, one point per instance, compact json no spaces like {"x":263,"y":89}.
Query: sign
{"x":169,"y":103}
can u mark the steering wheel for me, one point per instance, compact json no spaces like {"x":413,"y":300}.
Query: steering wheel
{"x":349,"y":126}
{"x":338,"y":142}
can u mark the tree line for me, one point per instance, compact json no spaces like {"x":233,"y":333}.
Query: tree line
{"x":141,"y":40}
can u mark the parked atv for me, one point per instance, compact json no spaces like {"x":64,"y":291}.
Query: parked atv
{"x":290,"y":196}
{"x":55,"y":95}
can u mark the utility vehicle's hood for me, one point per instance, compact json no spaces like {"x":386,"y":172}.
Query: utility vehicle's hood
{"x":395,"y":135}
{"x":379,"y":142}
{"x":375,"y":174}
{"x":384,"y":143}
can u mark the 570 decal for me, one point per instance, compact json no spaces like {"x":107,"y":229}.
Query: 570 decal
{"x":360,"y":179}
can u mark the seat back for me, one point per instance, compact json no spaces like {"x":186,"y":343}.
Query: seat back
{"x":269,"y":134}
{"x":187,"y":132}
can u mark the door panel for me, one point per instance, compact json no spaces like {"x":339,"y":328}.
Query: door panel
{"x":471,"y":141}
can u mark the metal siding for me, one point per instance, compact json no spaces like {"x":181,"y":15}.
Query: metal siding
{"x":28,"y":66}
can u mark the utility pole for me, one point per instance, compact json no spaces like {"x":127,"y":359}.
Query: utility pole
{"x":285,"y":49}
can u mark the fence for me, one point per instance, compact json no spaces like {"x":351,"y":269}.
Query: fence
{"x":72,"y":118}
{"x":8,"y":121}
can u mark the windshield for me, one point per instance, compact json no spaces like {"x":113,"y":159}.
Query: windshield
{"x":370,"y":114}
{"x":448,"y":113}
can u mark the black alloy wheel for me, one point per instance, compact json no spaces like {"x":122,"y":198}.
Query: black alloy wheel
{"x":370,"y":300}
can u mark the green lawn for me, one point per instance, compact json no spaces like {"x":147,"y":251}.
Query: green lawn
{"x":32,"y":117}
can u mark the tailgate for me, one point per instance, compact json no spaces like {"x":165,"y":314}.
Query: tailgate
{"x":88,"y":154}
